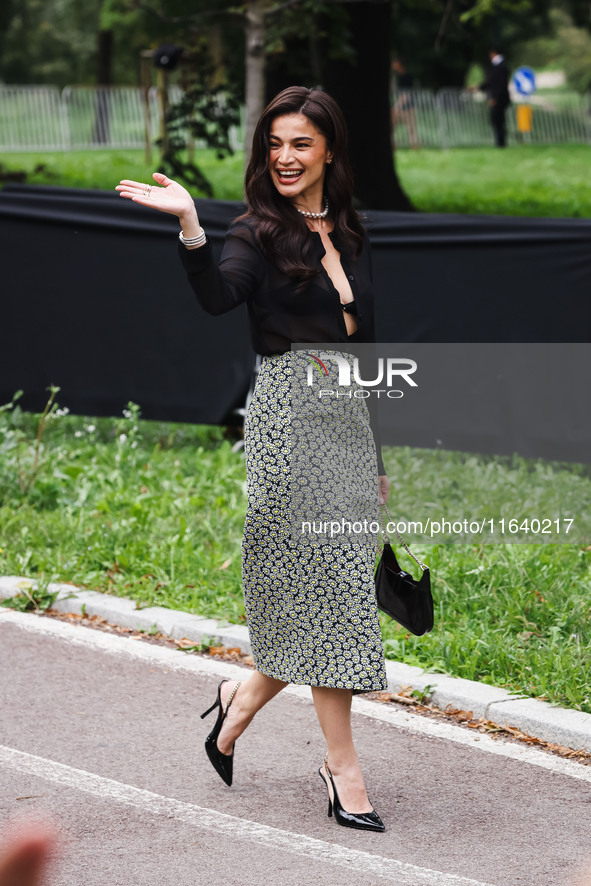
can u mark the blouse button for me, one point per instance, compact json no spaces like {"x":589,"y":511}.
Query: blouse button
{"x":351,"y":277}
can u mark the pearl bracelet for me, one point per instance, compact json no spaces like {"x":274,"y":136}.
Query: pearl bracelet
{"x":193,"y":241}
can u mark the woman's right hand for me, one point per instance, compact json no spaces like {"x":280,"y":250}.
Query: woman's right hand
{"x":169,"y":197}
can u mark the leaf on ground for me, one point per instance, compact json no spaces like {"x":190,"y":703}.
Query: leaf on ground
{"x":224,"y":650}
{"x":185,"y":644}
{"x":404,"y":699}
{"x":459,"y":714}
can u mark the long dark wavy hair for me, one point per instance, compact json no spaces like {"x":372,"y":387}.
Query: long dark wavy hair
{"x":280,"y":229}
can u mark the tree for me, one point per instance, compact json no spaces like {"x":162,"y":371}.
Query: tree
{"x":354,"y":67}
{"x":255,"y":12}
{"x":48,"y":41}
{"x":441,"y":39}
{"x":344,"y":47}
{"x":361,"y":85}
{"x":104,"y":66}
{"x":204,"y":112}
{"x":573,"y":45}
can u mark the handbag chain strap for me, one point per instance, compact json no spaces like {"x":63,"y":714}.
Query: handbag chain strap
{"x":402,"y":541}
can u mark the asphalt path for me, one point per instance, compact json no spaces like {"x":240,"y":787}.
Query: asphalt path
{"x":101,"y":734}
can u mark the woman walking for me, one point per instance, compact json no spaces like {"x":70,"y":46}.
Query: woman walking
{"x":299,"y":259}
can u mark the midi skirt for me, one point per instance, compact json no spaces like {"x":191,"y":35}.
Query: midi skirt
{"x":310,"y":605}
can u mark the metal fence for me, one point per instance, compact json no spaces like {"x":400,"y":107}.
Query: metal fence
{"x":109,"y":117}
{"x":41,"y":118}
{"x":32,"y":118}
{"x":454,"y":118}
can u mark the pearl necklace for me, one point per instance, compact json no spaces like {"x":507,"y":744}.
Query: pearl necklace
{"x":322,"y":214}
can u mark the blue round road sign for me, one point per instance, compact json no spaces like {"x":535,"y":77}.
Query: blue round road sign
{"x":524,"y":80}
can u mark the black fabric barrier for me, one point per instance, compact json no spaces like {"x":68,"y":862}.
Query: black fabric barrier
{"x":94,"y":299}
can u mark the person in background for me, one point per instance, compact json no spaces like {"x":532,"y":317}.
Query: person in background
{"x":496,"y":86}
{"x":403,"y":110}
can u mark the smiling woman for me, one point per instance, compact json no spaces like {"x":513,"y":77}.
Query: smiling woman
{"x":298,"y":155}
{"x":299,"y":169}
{"x":299,"y":259}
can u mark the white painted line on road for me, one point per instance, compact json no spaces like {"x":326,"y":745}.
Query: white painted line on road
{"x":237,"y":828}
{"x":115,"y":644}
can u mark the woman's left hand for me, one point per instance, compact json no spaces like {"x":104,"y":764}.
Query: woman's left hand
{"x":384,"y":488}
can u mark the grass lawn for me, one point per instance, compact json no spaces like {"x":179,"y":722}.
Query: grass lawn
{"x":104,"y":169}
{"x":527,"y":180}
{"x":154,"y":511}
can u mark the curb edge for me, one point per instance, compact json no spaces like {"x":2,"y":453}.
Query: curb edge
{"x":563,"y":726}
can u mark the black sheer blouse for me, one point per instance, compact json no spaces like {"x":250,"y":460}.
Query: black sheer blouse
{"x":280,"y":315}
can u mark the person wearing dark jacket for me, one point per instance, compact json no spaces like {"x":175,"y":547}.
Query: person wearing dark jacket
{"x":497,"y":87}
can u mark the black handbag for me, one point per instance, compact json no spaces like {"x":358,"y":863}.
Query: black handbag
{"x":399,"y":595}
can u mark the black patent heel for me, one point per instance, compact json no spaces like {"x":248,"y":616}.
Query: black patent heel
{"x":214,"y":705}
{"x":364,"y":821}
{"x":222,"y":763}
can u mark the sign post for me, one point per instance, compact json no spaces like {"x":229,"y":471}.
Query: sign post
{"x":524,"y":81}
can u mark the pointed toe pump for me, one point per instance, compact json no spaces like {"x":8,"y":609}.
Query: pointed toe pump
{"x":364,"y":821}
{"x":222,"y":763}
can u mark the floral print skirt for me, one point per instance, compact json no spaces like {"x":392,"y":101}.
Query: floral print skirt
{"x":311,"y":607}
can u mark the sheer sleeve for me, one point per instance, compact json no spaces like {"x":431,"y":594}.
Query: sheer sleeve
{"x":220,"y":288}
